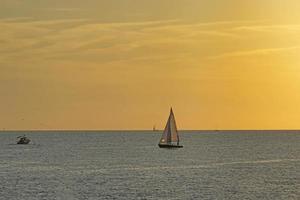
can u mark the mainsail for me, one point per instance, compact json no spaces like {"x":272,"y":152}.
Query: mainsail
{"x":170,"y":134}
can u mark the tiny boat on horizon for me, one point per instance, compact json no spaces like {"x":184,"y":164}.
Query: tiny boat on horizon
{"x":23,"y":140}
{"x":170,"y":137}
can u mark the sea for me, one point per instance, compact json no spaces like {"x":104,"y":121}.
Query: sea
{"x":93,"y":165}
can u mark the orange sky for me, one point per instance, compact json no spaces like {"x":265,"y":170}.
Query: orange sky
{"x":108,"y":64}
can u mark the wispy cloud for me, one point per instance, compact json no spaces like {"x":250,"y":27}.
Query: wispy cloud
{"x":16,"y":19}
{"x":167,"y":40}
{"x":88,"y":38}
{"x":65,"y":9}
{"x":268,"y":28}
{"x":256,"y":52}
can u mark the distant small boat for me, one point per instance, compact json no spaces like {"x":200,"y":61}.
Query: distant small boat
{"x":154,"y":128}
{"x":23,"y":140}
{"x":170,"y":137}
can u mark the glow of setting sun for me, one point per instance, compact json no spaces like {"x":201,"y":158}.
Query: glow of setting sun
{"x":121,"y":64}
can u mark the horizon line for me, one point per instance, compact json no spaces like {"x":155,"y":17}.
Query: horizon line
{"x":135,"y":130}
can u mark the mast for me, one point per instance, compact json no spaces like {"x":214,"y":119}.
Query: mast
{"x":175,"y":126}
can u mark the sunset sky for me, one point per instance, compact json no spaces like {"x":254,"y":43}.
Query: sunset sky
{"x":121,"y":64}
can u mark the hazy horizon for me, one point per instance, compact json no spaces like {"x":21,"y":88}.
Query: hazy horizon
{"x":113,"y":65}
{"x":159,"y":131}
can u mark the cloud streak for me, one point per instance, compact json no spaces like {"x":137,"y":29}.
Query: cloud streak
{"x":133,"y":44}
{"x":56,"y":39}
{"x":256,"y":52}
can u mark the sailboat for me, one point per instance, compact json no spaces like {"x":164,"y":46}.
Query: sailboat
{"x":154,"y":128}
{"x":170,"y":137}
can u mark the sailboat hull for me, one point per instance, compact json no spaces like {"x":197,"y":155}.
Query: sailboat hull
{"x":169,"y":146}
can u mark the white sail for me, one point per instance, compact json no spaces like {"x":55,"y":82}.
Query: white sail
{"x":170,"y":134}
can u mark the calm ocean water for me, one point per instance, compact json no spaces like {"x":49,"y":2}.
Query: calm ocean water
{"x":129,"y":165}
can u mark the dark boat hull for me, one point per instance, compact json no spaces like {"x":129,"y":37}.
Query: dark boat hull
{"x":169,"y":146}
{"x":23,"y":141}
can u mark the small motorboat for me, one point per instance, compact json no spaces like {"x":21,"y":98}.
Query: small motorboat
{"x":23,"y":140}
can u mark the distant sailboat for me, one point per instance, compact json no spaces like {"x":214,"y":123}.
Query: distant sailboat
{"x":170,"y":137}
{"x":154,"y":128}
